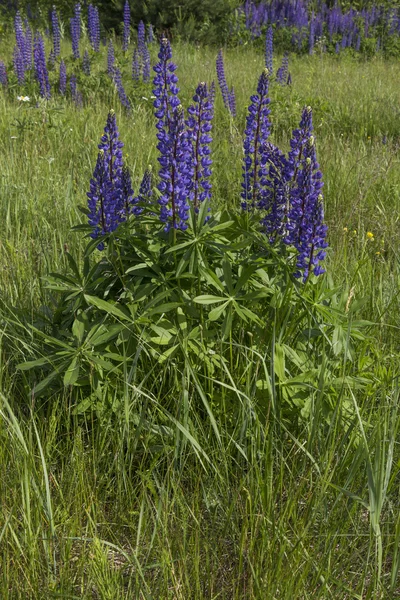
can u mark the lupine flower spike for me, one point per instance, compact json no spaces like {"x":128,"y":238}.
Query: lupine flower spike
{"x":256,"y":135}
{"x":41,"y":73}
{"x":173,"y":143}
{"x":127,"y":26}
{"x":199,"y":127}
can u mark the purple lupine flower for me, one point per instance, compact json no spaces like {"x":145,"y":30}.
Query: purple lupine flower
{"x":145,"y":188}
{"x":305,"y":228}
{"x":86,"y":63}
{"x":19,"y":66}
{"x":19,"y":33}
{"x":141,"y":38}
{"x":73,"y":86}
{"x":75,"y":25}
{"x":256,"y":135}
{"x":28,"y":47}
{"x":222,"y":80}
{"x":127,"y":26}
{"x":127,"y":199}
{"x":110,"y":58}
{"x":269,"y":49}
{"x":112,"y":147}
{"x":94,"y":27}
{"x":39,"y":61}
{"x":100,"y":200}
{"x":56,"y":32}
{"x":282,"y":72}
{"x":117,"y":76}
{"x":173,"y":143}
{"x":146,"y":65}
{"x":199,"y":127}
{"x":135,"y":66}
{"x":3,"y":74}
{"x":62,"y":86}
{"x":274,"y":193}
{"x":150,"y":34}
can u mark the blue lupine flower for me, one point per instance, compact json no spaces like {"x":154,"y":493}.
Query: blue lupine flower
{"x":274,"y":192}
{"x":305,"y":228}
{"x":3,"y":74}
{"x":86,"y":63}
{"x":269,"y":49}
{"x":232,"y":102}
{"x":62,"y":86}
{"x":135,"y":66}
{"x":211,"y":94}
{"x":112,"y":147}
{"x":94,"y":27}
{"x":75,"y":25}
{"x":222,"y":80}
{"x":256,"y":135}
{"x":283,"y":71}
{"x":146,"y":65}
{"x":145,"y":188}
{"x":127,"y":199}
{"x":19,"y":33}
{"x":199,"y":127}
{"x":28,"y":47}
{"x":120,"y":89}
{"x":110,"y":58}
{"x":19,"y":65}
{"x":173,"y":143}
{"x":39,"y":60}
{"x":141,"y":38}
{"x":150,"y":34}
{"x":100,"y":200}
{"x":127,"y":26}
{"x":56,"y":32}
{"x":73,"y":86}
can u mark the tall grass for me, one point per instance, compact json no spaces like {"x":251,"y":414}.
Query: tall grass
{"x":196,"y":494}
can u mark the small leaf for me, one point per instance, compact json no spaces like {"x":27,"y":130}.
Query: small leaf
{"x":107,"y":307}
{"x":72,"y":373}
{"x":208,"y":299}
{"x":214,"y":314}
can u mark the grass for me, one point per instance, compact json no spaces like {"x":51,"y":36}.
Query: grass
{"x":136,"y":502}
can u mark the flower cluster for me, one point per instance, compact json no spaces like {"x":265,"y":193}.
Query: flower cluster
{"x":127,"y":26}
{"x":3,"y":74}
{"x":282,"y":74}
{"x":62,"y":85}
{"x":174,"y":143}
{"x":110,"y":191}
{"x":228,"y":96}
{"x":117,"y":76}
{"x":94,"y":27}
{"x":110,"y":58}
{"x":39,"y":60}
{"x":75,"y":26}
{"x":56,"y":32}
{"x":269,"y":49}
{"x":199,"y":127}
{"x":256,"y":135}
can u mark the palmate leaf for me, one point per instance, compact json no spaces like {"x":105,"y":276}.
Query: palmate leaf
{"x":107,"y":307}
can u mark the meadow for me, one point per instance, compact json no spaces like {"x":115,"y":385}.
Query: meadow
{"x":264,"y":474}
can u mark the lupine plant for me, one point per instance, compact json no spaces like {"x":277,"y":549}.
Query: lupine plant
{"x":110,"y":58}
{"x":62,"y":84}
{"x":228,"y":96}
{"x":39,"y":59}
{"x":94,"y":27}
{"x":127,"y":26}
{"x":75,"y":25}
{"x":56,"y":33}
{"x":3,"y":74}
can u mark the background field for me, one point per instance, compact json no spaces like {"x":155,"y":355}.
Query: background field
{"x":87,"y":509}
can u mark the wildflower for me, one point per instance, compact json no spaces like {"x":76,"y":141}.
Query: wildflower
{"x":269,"y":49}
{"x":62,"y":86}
{"x":39,"y":59}
{"x":222,"y":80}
{"x":110,"y":58}
{"x":150,"y":34}
{"x":23,"y":98}
{"x":101,"y":214}
{"x":256,"y":134}
{"x":94,"y":27}
{"x":173,"y":143}
{"x":120,"y":89}
{"x":199,"y":127}
{"x":370,"y":236}
{"x":282,"y":72}
{"x":345,"y":229}
{"x":75,"y":26}
{"x":3,"y":74}
{"x":19,"y":67}
{"x":127,"y":26}
{"x":56,"y":32}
